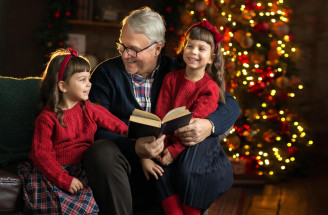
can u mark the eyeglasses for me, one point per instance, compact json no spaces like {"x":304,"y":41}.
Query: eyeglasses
{"x":133,"y":53}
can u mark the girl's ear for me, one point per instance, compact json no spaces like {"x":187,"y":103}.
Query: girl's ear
{"x":212,"y":58}
{"x":62,"y":86}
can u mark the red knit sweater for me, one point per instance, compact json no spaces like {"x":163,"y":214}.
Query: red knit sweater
{"x":199,"y":97}
{"x":54,"y":145}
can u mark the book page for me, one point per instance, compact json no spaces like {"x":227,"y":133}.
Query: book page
{"x":174,"y":113}
{"x":145,"y":121}
{"x":145,"y":114}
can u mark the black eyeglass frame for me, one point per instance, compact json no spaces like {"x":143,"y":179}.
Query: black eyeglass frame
{"x":127,"y":49}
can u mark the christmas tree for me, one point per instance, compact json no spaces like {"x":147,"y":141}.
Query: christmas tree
{"x":261,"y":73}
{"x":54,"y":28}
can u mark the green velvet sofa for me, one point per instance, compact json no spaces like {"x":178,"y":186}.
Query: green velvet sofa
{"x":18,"y":103}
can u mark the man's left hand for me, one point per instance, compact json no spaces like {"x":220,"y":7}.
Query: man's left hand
{"x":197,"y":130}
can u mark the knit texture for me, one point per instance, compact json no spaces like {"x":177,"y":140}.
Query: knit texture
{"x":199,"y":97}
{"x":54,"y":146}
{"x":18,"y":102}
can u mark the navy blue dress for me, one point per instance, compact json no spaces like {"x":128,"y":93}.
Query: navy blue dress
{"x":200,"y":175}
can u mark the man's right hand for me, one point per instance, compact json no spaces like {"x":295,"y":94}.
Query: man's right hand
{"x":149,"y":147}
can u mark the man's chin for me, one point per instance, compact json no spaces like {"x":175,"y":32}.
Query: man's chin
{"x":131,"y":69}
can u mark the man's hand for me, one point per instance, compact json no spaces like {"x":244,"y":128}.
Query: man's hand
{"x":165,"y":157}
{"x":195,"y":132}
{"x":76,"y":185}
{"x":149,"y":147}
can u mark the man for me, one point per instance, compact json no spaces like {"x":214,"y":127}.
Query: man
{"x":122,"y":84}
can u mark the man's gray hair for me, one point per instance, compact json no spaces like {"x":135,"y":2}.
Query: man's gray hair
{"x":148,"y":22}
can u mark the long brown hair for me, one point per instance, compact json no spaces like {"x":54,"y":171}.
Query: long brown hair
{"x":49,"y":91}
{"x":216,"y":69}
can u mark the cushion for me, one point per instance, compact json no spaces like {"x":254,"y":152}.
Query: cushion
{"x":11,"y":192}
{"x":19,"y":98}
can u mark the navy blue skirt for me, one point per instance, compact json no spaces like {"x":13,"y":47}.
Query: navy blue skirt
{"x":200,"y":175}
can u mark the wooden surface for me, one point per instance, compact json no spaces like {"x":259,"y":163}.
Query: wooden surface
{"x":296,"y":195}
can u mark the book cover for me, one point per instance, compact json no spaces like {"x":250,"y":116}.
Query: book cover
{"x":143,"y":124}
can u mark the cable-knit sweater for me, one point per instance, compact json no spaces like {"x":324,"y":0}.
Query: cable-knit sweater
{"x":54,"y":146}
{"x":199,"y":97}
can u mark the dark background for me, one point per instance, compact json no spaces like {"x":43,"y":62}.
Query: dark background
{"x":21,"y":56}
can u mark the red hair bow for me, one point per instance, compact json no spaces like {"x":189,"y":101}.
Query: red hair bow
{"x":73,"y":52}
{"x":205,"y":24}
{"x":65,"y":61}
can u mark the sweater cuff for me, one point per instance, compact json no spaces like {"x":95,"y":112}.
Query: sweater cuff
{"x":65,"y":185}
{"x":173,"y":152}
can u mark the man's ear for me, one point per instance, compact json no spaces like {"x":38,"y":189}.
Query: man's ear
{"x":158,"y":48}
{"x":62,"y":86}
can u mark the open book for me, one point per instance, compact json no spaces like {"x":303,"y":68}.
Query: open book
{"x":143,"y":124}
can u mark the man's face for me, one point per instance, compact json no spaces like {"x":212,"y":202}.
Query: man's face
{"x":146,"y":60}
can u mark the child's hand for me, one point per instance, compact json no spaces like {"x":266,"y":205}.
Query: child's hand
{"x":165,"y":158}
{"x":76,"y":185}
{"x":149,"y":166}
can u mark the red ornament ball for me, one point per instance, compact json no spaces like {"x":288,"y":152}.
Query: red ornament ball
{"x":243,"y":58}
{"x":68,"y":13}
{"x":257,"y":88}
{"x":168,"y":9}
{"x":250,"y":5}
{"x":261,"y":27}
{"x":57,"y":14}
{"x":292,"y":151}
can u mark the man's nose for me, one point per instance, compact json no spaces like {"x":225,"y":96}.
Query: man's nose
{"x":125,"y":54}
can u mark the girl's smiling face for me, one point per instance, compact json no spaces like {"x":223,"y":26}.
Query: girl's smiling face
{"x":78,"y":87}
{"x":197,"y":54}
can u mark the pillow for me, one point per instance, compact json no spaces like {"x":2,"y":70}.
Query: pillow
{"x":18,"y":103}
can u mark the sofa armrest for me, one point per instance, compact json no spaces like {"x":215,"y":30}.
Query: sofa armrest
{"x":11,"y":191}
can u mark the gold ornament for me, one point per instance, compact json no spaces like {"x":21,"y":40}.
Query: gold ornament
{"x":220,"y":20}
{"x":280,"y":28}
{"x":248,"y":14}
{"x":282,"y":82}
{"x":273,"y":55}
{"x":186,"y":18}
{"x":251,"y":136}
{"x":200,"y":6}
{"x":238,"y":35}
{"x":211,"y":11}
{"x":246,"y":42}
{"x":233,"y":142}
{"x":270,"y":136}
{"x":257,"y":57}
